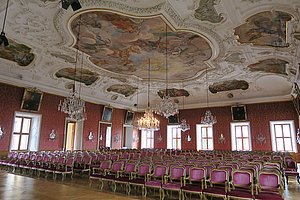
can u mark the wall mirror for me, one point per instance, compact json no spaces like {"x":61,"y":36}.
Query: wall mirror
{"x":104,"y":135}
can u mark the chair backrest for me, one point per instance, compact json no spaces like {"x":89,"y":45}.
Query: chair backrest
{"x":160,"y":170}
{"x":242,"y":178}
{"x":291,"y":165}
{"x":219,"y":176}
{"x":268,"y":180}
{"x":106,"y":164}
{"x":187,"y":168}
{"x":177,"y":172}
{"x":114,"y":157}
{"x":129,"y":167}
{"x":70,"y":161}
{"x":117,"y":166}
{"x":144,"y":169}
{"x":197,"y":173}
{"x":87,"y":160}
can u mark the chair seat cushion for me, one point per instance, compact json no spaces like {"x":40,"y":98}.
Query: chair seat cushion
{"x":241,"y":194}
{"x":171,"y":186}
{"x":155,"y":183}
{"x":291,"y":173}
{"x":137,"y":181}
{"x":192,"y":188}
{"x":122,"y":179}
{"x":272,"y":196}
{"x":215,"y":190}
{"x":109,"y":177}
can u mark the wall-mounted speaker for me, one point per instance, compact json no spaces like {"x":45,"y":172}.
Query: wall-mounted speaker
{"x":238,"y":113}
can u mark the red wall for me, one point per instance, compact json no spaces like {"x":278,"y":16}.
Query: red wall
{"x":259,"y":116}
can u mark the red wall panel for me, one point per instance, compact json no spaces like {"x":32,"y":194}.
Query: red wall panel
{"x":259,"y":116}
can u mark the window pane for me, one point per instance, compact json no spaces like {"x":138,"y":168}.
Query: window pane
{"x":278,"y":131}
{"x":203,"y":132}
{"x":174,"y":144}
{"x":279,"y":142}
{"x":238,"y":132}
{"x":204,"y":144}
{"x":210,"y":144}
{"x":239,"y":144}
{"x":245,"y":131}
{"x":17,"y":125}
{"x":178,"y":144}
{"x":24,"y":142}
{"x":288,"y":144}
{"x":286,"y":130}
{"x":26,"y":125}
{"x":209,"y":133}
{"x":246,"y":144}
{"x":15,"y":142}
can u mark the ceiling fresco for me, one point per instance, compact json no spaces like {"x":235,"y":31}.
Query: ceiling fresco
{"x":276,"y":66}
{"x":81,"y":75}
{"x":123,"y":45}
{"x":228,"y":85}
{"x":173,"y":92}
{"x":16,"y":52}
{"x":249,"y":48}
{"x":126,"y":90}
{"x":265,"y":29}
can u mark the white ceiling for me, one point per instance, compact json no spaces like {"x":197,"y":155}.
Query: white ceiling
{"x":46,"y":28}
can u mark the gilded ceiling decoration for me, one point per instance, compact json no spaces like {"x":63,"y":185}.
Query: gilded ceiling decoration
{"x":228,"y":85}
{"x":207,"y":12}
{"x":265,"y":29}
{"x":16,"y":52}
{"x":173,"y":92}
{"x":126,"y":90}
{"x":276,"y":66}
{"x":87,"y":77}
{"x":123,"y":45}
{"x":236,"y":41}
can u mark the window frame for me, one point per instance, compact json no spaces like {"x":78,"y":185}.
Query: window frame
{"x":292,"y":135}
{"x":200,"y":138}
{"x":177,"y":138}
{"x":21,"y":133}
{"x":233,"y":126}
{"x":145,"y":140}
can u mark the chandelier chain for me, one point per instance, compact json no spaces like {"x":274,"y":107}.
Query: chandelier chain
{"x":5,"y":15}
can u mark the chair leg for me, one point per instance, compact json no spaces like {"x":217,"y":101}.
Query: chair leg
{"x":298,"y":179}
{"x":179,"y":194}
{"x":145,"y":194}
{"x":161,"y":193}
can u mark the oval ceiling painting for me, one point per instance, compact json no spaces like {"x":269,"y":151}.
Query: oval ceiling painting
{"x":124,"y":45}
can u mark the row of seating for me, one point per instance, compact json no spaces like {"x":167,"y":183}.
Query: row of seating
{"x":185,"y":172}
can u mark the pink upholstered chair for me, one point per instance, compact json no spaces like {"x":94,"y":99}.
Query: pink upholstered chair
{"x":98,"y":173}
{"x":65,"y":168}
{"x":291,"y":170}
{"x":269,"y":186}
{"x":139,"y":177}
{"x":125,"y":176}
{"x":173,"y":181}
{"x":218,"y":184}
{"x":195,"y":182}
{"x":53,"y":166}
{"x":156,"y":179}
{"x":242,"y":185}
{"x":83,"y":166}
{"x":111,"y":174}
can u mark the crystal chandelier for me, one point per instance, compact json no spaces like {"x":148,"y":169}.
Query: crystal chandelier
{"x":167,"y":107}
{"x":148,"y":121}
{"x":208,"y":118}
{"x":73,"y":105}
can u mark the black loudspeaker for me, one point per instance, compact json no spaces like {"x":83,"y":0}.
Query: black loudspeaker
{"x":238,"y":113}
